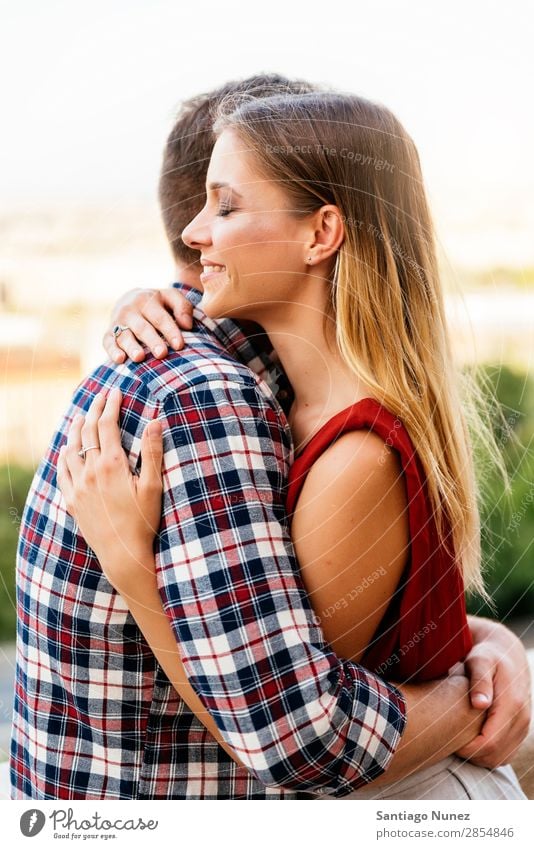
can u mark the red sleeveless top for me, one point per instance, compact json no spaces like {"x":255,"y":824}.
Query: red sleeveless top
{"x":424,"y":630}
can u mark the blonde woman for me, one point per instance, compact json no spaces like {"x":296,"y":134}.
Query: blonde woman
{"x":317,"y":228}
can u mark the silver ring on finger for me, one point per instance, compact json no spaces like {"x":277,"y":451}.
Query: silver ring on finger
{"x":118,"y":329}
{"x":83,"y":451}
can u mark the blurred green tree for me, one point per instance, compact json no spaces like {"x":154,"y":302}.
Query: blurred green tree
{"x":14,"y":484}
{"x":508,"y":517}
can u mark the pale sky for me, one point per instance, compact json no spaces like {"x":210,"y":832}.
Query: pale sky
{"x":89,"y":90}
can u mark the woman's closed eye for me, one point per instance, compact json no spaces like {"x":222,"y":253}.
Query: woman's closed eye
{"x":225,"y":208}
{"x":226,"y":201}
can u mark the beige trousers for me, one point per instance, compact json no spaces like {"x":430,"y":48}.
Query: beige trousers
{"x":450,"y":778}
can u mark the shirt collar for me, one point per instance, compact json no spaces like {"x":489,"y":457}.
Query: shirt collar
{"x":228,"y":332}
{"x":192,"y":294}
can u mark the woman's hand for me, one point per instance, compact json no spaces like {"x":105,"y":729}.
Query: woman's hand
{"x":118,"y":513}
{"x":147,"y":313}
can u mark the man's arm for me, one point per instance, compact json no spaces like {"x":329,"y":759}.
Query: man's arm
{"x":440,"y":717}
{"x":295,"y":714}
{"x":499,"y":677}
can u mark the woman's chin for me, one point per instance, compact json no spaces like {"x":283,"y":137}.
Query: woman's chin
{"x":220,"y":300}
{"x":215,"y":302}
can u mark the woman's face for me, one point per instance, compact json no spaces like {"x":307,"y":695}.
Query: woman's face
{"x":253,"y":247}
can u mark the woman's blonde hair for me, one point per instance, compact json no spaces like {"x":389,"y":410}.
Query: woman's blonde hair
{"x":387,"y":300}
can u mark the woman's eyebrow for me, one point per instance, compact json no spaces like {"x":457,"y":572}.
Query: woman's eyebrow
{"x":217,"y":185}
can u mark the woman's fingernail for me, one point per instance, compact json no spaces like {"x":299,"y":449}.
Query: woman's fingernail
{"x":481,"y":698}
{"x":159,"y":351}
{"x":187,"y":320}
{"x":176,"y":342}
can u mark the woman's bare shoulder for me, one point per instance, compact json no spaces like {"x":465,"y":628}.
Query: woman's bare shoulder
{"x":359,"y":465}
{"x":350,"y":520}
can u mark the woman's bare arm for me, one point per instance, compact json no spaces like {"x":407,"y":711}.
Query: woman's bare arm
{"x":145,"y":605}
{"x":351,"y":537}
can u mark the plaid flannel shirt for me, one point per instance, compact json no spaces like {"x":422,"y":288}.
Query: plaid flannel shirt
{"x":95,"y":716}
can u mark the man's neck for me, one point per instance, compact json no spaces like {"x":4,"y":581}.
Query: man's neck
{"x":188,"y":274}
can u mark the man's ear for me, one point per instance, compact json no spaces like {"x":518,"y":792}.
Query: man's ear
{"x":328,"y":234}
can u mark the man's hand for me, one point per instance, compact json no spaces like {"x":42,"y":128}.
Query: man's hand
{"x":499,"y":675}
{"x":147,"y":313}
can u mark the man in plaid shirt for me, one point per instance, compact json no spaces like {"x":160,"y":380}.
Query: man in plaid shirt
{"x":95,"y":717}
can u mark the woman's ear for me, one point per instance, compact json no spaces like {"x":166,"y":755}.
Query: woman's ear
{"x":328,"y":234}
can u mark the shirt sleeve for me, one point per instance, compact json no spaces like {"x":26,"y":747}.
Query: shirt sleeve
{"x":297,"y":715}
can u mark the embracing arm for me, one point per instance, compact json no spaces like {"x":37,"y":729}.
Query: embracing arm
{"x":154,"y":317}
{"x":441,"y":718}
{"x":155,"y":320}
{"x":295,"y":714}
{"x":144,"y":603}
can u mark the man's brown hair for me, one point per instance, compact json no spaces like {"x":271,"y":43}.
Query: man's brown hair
{"x":188,"y":150}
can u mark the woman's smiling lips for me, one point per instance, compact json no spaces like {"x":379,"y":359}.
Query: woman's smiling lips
{"x":210,"y":271}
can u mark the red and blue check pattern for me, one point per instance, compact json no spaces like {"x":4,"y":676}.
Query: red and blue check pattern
{"x":94,"y":714}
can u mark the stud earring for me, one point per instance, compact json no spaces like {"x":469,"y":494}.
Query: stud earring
{"x":309,"y":260}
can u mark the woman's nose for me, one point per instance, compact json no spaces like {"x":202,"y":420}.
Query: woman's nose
{"x":196,"y":234}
